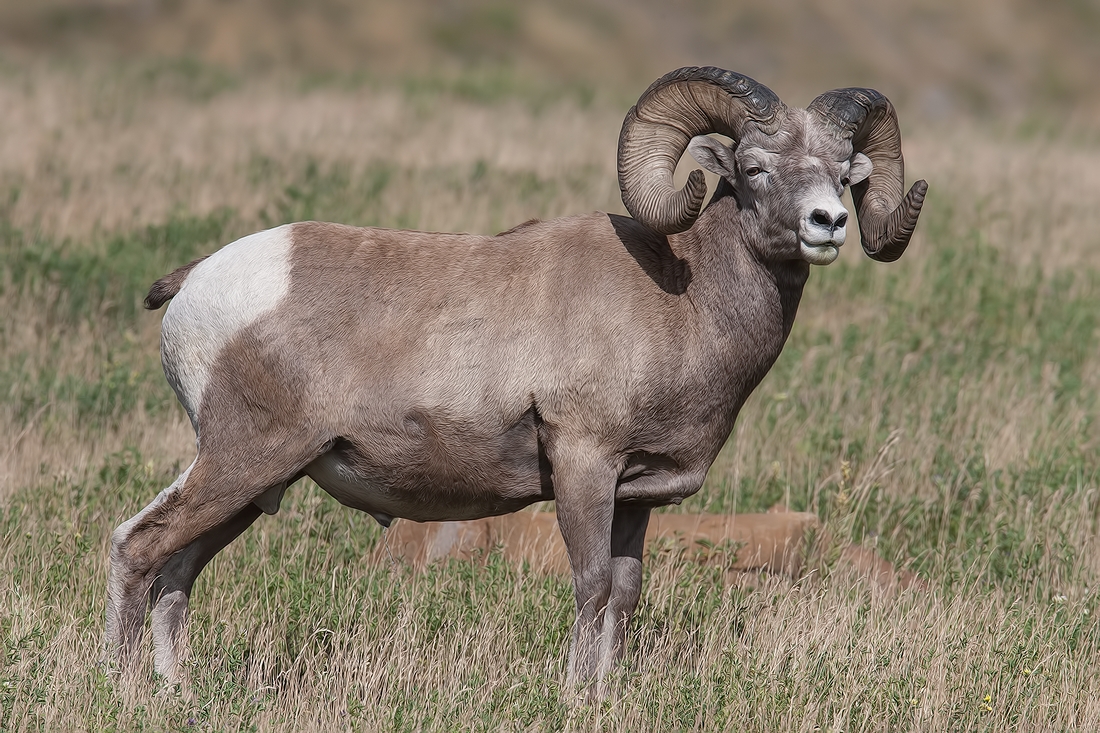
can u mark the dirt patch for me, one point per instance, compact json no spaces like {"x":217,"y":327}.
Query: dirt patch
{"x":743,"y":545}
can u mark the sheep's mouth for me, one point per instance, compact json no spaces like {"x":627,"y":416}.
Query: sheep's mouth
{"x":819,"y":254}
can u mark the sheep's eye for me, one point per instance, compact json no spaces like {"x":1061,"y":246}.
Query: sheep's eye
{"x":752,"y":171}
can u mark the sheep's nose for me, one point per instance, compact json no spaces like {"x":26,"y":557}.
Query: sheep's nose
{"x":823,"y":218}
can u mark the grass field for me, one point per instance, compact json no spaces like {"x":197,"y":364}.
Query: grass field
{"x":942,"y":409}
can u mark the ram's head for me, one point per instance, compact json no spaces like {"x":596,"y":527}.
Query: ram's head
{"x":787,"y":167}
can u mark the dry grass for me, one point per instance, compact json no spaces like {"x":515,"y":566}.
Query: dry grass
{"x":941,"y":58}
{"x":943,"y":408}
{"x":291,"y":633}
{"x":91,"y":153}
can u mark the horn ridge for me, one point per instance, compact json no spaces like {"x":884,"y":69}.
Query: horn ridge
{"x":887,"y":219}
{"x":686,"y":102}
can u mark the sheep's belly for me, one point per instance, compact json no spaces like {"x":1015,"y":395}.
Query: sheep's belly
{"x":386,"y":495}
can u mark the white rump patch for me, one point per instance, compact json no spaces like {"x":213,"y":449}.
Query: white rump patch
{"x":223,"y":294}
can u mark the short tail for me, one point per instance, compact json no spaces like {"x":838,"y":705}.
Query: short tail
{"x":165,"y":289}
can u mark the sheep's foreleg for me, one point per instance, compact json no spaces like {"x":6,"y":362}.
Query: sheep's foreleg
{"x":584,"y":489}
{"x":627,"y":544}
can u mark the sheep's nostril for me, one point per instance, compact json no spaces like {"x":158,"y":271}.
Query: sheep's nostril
{"x":841,"y":220}
{"x":821,"y":218}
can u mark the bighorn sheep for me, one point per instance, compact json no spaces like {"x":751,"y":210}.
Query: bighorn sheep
{"x":596,"y":360}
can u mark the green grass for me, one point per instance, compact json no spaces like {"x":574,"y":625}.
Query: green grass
{"x":79,"y":287}
{"x":942,"y":410}
{"x":302,"y":606}
{"x":917,"y":366}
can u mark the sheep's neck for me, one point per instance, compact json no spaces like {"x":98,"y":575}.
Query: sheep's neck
{"x":746,"y":307}
{"x":740,"y":293}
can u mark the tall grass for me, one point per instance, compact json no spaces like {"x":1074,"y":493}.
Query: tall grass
{"x":942,"y":409}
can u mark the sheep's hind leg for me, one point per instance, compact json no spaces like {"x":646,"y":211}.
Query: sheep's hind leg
{"x":202,"y":511}
{"x":171,"y":591}
{"x":126,"y":598}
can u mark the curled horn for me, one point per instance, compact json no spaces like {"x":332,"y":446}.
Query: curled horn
{"x":886,"y":219}
{"x":680,"y":105}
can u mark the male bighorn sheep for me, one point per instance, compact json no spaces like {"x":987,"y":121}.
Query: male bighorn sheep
{"x":596,"y":360}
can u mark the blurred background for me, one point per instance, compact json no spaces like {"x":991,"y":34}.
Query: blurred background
{"x":941,"y":411}
{"x":937,"y":59}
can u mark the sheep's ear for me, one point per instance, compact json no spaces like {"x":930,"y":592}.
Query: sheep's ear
{"x":713,"y":156}
{"x":860,"y":168}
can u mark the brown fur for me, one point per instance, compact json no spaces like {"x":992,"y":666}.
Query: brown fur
{"x":463,"y":376}
{"x":464,"y":438}
{"x":166,"y":288}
